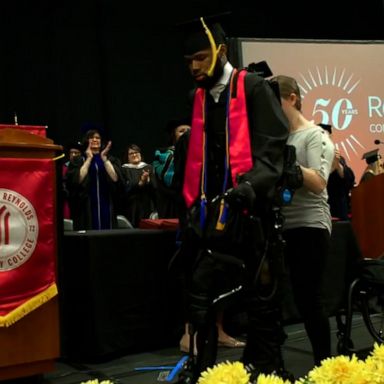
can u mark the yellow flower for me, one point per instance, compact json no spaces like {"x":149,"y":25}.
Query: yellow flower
{"x":334,"y":370}
{"x":303,"y":380}
{"x":377,"y":353}
{"x":96,"y":381}
{"x":375,"y":364}
{"x":270,"y":379}
{"x":225,"y":373}
{"x":338,"y":370}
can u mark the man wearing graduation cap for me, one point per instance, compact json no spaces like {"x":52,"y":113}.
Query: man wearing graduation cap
{"x":73,"y":150}
{"x":234,"y":162}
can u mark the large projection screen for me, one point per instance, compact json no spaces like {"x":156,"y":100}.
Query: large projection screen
{"x":342,"y":84}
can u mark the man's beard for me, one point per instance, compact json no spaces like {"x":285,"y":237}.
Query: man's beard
{"x":209,"y":82}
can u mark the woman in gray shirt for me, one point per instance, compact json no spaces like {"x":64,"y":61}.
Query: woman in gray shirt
{"x":307,"y":225}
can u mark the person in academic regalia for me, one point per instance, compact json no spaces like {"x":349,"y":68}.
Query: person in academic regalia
{"x":374,"y":165}
{"x":94,"y":182}
{"x":139,"y":197}
{"x":339,"y":187}
{"x":73,"y":150}
{"x":163,"y":166}
{"x":233,"y":163}
{"x":340,"y":183}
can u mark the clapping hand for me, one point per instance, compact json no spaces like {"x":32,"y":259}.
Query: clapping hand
{"x":105,"y":151}
{"x":144,"y":178}
{"x":88,"y":151}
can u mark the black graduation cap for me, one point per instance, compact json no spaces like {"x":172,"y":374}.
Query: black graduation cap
{"x":371,"y":156}
{"x":74,"y":145}
{"x":326,"y":127}
{"x":176,"y":122}
{"x":196,"y":33}
{"x":261,"y":68}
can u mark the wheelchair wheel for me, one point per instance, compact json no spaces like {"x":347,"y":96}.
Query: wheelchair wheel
{"x":372,"y":309}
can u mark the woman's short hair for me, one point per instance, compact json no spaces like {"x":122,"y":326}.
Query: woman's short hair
{"x":287,"y":86}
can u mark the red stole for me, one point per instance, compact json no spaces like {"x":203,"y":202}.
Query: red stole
{"x":240,"y":154}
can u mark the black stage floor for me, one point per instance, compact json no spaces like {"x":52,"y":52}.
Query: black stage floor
{"x":131,"y":369}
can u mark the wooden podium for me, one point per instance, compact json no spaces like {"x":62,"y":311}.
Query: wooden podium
{"x":30,"y":346}
{"x":367,"y":207}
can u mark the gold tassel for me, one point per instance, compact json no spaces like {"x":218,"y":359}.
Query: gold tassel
{"x":220,"y":225}
{"x":214,"y":48}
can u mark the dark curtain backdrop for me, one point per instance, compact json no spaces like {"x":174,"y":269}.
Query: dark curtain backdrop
{"x":118,"y":65}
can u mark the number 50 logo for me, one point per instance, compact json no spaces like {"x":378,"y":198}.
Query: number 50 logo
{"x":331,"y":97}
{"x":339,"y":114}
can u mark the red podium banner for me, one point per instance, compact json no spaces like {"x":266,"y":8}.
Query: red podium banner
{"x":27,"y":236}
{"x":35,"y":129}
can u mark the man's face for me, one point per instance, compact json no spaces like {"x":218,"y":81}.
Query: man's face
{"x":73,"y":153}
{"x":199,"y":64}
{"x":180,"y":130}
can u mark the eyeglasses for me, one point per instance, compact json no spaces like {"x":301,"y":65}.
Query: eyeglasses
{"x":133,"y":153}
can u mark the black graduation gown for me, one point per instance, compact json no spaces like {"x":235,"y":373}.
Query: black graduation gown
{"x":268,"y":127}
{"x":80,"y":194}
{"x":138,"y":201}
{"x":339,"y":189}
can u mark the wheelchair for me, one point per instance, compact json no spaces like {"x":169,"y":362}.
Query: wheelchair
{"x":365,"y":294}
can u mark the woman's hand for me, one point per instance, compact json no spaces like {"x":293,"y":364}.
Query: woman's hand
{"x":105,"y":151}
{"x":144,"y":178}
{"x":88,"y":151}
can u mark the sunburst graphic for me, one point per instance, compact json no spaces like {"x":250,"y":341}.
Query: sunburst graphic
{"x":329,"y":93}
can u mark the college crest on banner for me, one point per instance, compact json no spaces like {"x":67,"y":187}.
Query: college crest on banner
{"x":27,"y":236}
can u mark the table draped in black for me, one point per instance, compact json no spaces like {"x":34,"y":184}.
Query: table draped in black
{"x":117,"y":296}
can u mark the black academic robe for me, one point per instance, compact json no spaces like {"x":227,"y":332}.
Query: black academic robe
{"x":81,"y":195}
{"x":268,"y":128}
{"x":339,"y":189}
{"x":138,"y":202}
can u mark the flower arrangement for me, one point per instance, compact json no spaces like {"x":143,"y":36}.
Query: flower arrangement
{"x":335,"y":370}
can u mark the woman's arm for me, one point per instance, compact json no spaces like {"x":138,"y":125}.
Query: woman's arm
{"x":107,"y":163}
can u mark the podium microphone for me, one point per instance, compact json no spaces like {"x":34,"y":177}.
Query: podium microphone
{"x":378,"y":142}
